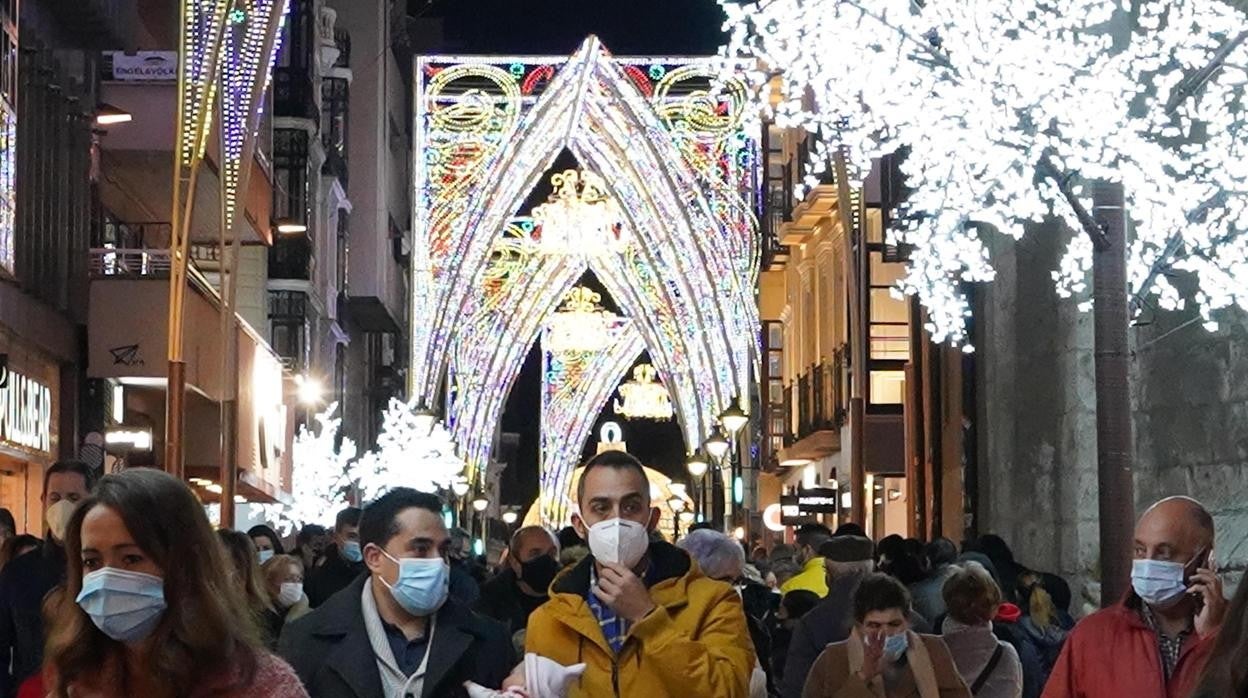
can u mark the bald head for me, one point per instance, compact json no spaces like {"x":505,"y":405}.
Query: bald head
{"x":532,"y":542}
{"x":1176,"y":529}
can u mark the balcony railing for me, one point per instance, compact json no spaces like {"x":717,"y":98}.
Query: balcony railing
{"x":820,"y":398}
{"x":293,"y":95}
{"x":133,"y":263}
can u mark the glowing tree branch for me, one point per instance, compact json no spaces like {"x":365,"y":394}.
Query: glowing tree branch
{"x":408,"y":454}
{"x":320,"y":476}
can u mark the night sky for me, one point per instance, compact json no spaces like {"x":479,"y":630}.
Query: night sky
{"x":633,"y":27}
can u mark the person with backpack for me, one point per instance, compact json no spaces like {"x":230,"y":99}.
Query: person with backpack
{"x":990,"y":667}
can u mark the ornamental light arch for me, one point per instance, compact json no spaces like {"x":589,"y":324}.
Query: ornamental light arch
{"x":680,"y":165}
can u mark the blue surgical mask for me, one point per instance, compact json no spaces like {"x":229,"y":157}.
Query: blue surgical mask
{"x":264,"y":555}
{"x":351,"y":551}
{"x":1161,"y":584}
{"x":422,"y":585}
{"x":124,"y":605}
{"x":896,"y":645}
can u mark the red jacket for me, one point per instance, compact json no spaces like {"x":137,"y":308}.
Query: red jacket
{"x":1114,"y":654}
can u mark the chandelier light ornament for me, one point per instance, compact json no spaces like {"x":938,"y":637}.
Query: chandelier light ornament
{"x":319,"y":481}
{"x":580,"y":325}
{"x":644,"y":397}
{"x":1009,"y":126}
{"x":580,"y":217}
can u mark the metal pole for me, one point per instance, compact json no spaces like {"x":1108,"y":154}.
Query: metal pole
{"x":1116,"y":497}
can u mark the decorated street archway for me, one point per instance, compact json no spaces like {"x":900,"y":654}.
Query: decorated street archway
{"x":660,"y":210}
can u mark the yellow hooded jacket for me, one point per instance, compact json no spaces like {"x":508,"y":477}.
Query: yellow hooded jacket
{"x":694,"y":644}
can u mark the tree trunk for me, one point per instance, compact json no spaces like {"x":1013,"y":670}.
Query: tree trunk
{"x":1113,"y":397}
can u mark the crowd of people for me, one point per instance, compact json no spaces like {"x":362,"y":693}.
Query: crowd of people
{"x":132,"y":593}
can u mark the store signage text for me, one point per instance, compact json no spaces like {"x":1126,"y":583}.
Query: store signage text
{"x":26,"y":413}
{"x":146,"y":66}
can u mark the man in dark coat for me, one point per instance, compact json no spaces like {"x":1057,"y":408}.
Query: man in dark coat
{"x":343,"y":561}
{"x":395,"y":631}
{"x":28,"y":579}
{"x":524,"y":584}
{"x":847,"y":559}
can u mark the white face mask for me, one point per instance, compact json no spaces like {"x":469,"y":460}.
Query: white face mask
{"x":58,"y":516}
{"x":619,"y":541}
{"x":290,"y":594}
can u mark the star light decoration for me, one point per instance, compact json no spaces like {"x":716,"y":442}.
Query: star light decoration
{"x":1008,"y":110}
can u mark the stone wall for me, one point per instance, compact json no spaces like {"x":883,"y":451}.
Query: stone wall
{"x":1037,"y":417}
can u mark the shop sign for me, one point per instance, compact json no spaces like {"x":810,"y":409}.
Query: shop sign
{"x":145,"y":66}
{"x":817,"y":500}
{"x":791,"y":513}
{"x":25,"y":412}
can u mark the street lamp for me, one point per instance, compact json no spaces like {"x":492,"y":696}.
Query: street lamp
{"x":510,"y":517}
{"x":717,"y":445}
{"x":697,"y":464}
{"x":734,"y":419}
{"x":480,"y":503}
{"x":677,"y":505}
{"x":289,"y":226}
{"x":309,"y":390}
{"x":108,"y":115}
{"x":459,"y":488}
{"x":424,"y":419}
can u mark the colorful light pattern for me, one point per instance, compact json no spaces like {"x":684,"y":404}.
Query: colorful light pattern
{"x":644,"y":397}
{"x":674,"y":156}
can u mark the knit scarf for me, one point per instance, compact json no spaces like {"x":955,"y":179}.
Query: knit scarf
{"x":917,"y":658}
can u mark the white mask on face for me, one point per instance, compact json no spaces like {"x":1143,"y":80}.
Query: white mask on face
{"x":58,"y":516}
{"x":619,"y":541}
{"x":290,"y":594}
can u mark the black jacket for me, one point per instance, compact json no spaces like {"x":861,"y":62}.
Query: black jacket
{"x":330,"y":650}
{"x":502,"y":600}
{"x":331,"y":577}
{"x":25,"y":582}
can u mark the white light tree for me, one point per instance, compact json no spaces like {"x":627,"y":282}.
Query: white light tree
{"x":1020,"y":112}
{"x":411,"y":452}
{"x":320,"y":485}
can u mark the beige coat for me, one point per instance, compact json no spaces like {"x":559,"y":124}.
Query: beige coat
{"x":833,"y":677}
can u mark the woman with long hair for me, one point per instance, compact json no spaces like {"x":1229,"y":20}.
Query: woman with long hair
{"x":245,"y":571}
{"x":149,"y":608}
{"x":1226,"y":672}
{"x":268,"y":543}
{"x":283,"y":580}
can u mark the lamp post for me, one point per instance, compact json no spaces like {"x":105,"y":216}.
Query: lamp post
{"x":734,"y":420}
{"x":677,"y":505}
{"x":697,"y":467}
{"x":459,"y":489}
{"x":717,"y":446}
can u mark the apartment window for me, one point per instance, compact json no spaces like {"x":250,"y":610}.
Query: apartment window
{"x":288,"y":325}
{"x":335,"y":100}
{"x":344,"y":251}
{"x":889,"y":333}
{"x":290,"y":174}
{"x":773,"y":380}
{"x":298,"y":36}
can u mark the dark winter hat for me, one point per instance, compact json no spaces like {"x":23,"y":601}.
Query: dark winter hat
{"x":848,"y":549}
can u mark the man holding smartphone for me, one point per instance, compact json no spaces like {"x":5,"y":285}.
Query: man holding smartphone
{"x":1157,"y":640}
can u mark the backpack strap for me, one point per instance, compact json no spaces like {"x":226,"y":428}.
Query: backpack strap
{"x":988,"y":669}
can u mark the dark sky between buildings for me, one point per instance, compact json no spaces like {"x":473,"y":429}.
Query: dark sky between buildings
{"x":632,"y":27}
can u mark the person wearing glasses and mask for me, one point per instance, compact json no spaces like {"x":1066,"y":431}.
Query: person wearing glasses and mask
{"x":1156,"y":641}
{"x":394,"y":632}
{"x":639,"y":614}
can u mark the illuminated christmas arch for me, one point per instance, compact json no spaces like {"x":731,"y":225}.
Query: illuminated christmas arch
{"x":676,"y":160}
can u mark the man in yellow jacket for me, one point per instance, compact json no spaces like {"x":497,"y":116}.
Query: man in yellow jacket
{"x":813,"y":577}
{"x":639,"y":614}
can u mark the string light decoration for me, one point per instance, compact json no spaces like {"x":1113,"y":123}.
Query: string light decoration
{"x":1007,"y":111}
{"x":575,"y":387}
{"x":644,"y":397}
{"x":579,"y":218}
{"x":580,"y":325}
{"x":319,"y":480}
{"x":685,"y":198}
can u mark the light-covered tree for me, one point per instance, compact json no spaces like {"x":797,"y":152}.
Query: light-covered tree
{"x":320,"y":485}
{"x":409,"y":454}
{"x":1123,"y":118}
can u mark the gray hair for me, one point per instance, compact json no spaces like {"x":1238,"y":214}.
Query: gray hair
{"x":848,"y":569}
{"x":716,"y":554}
